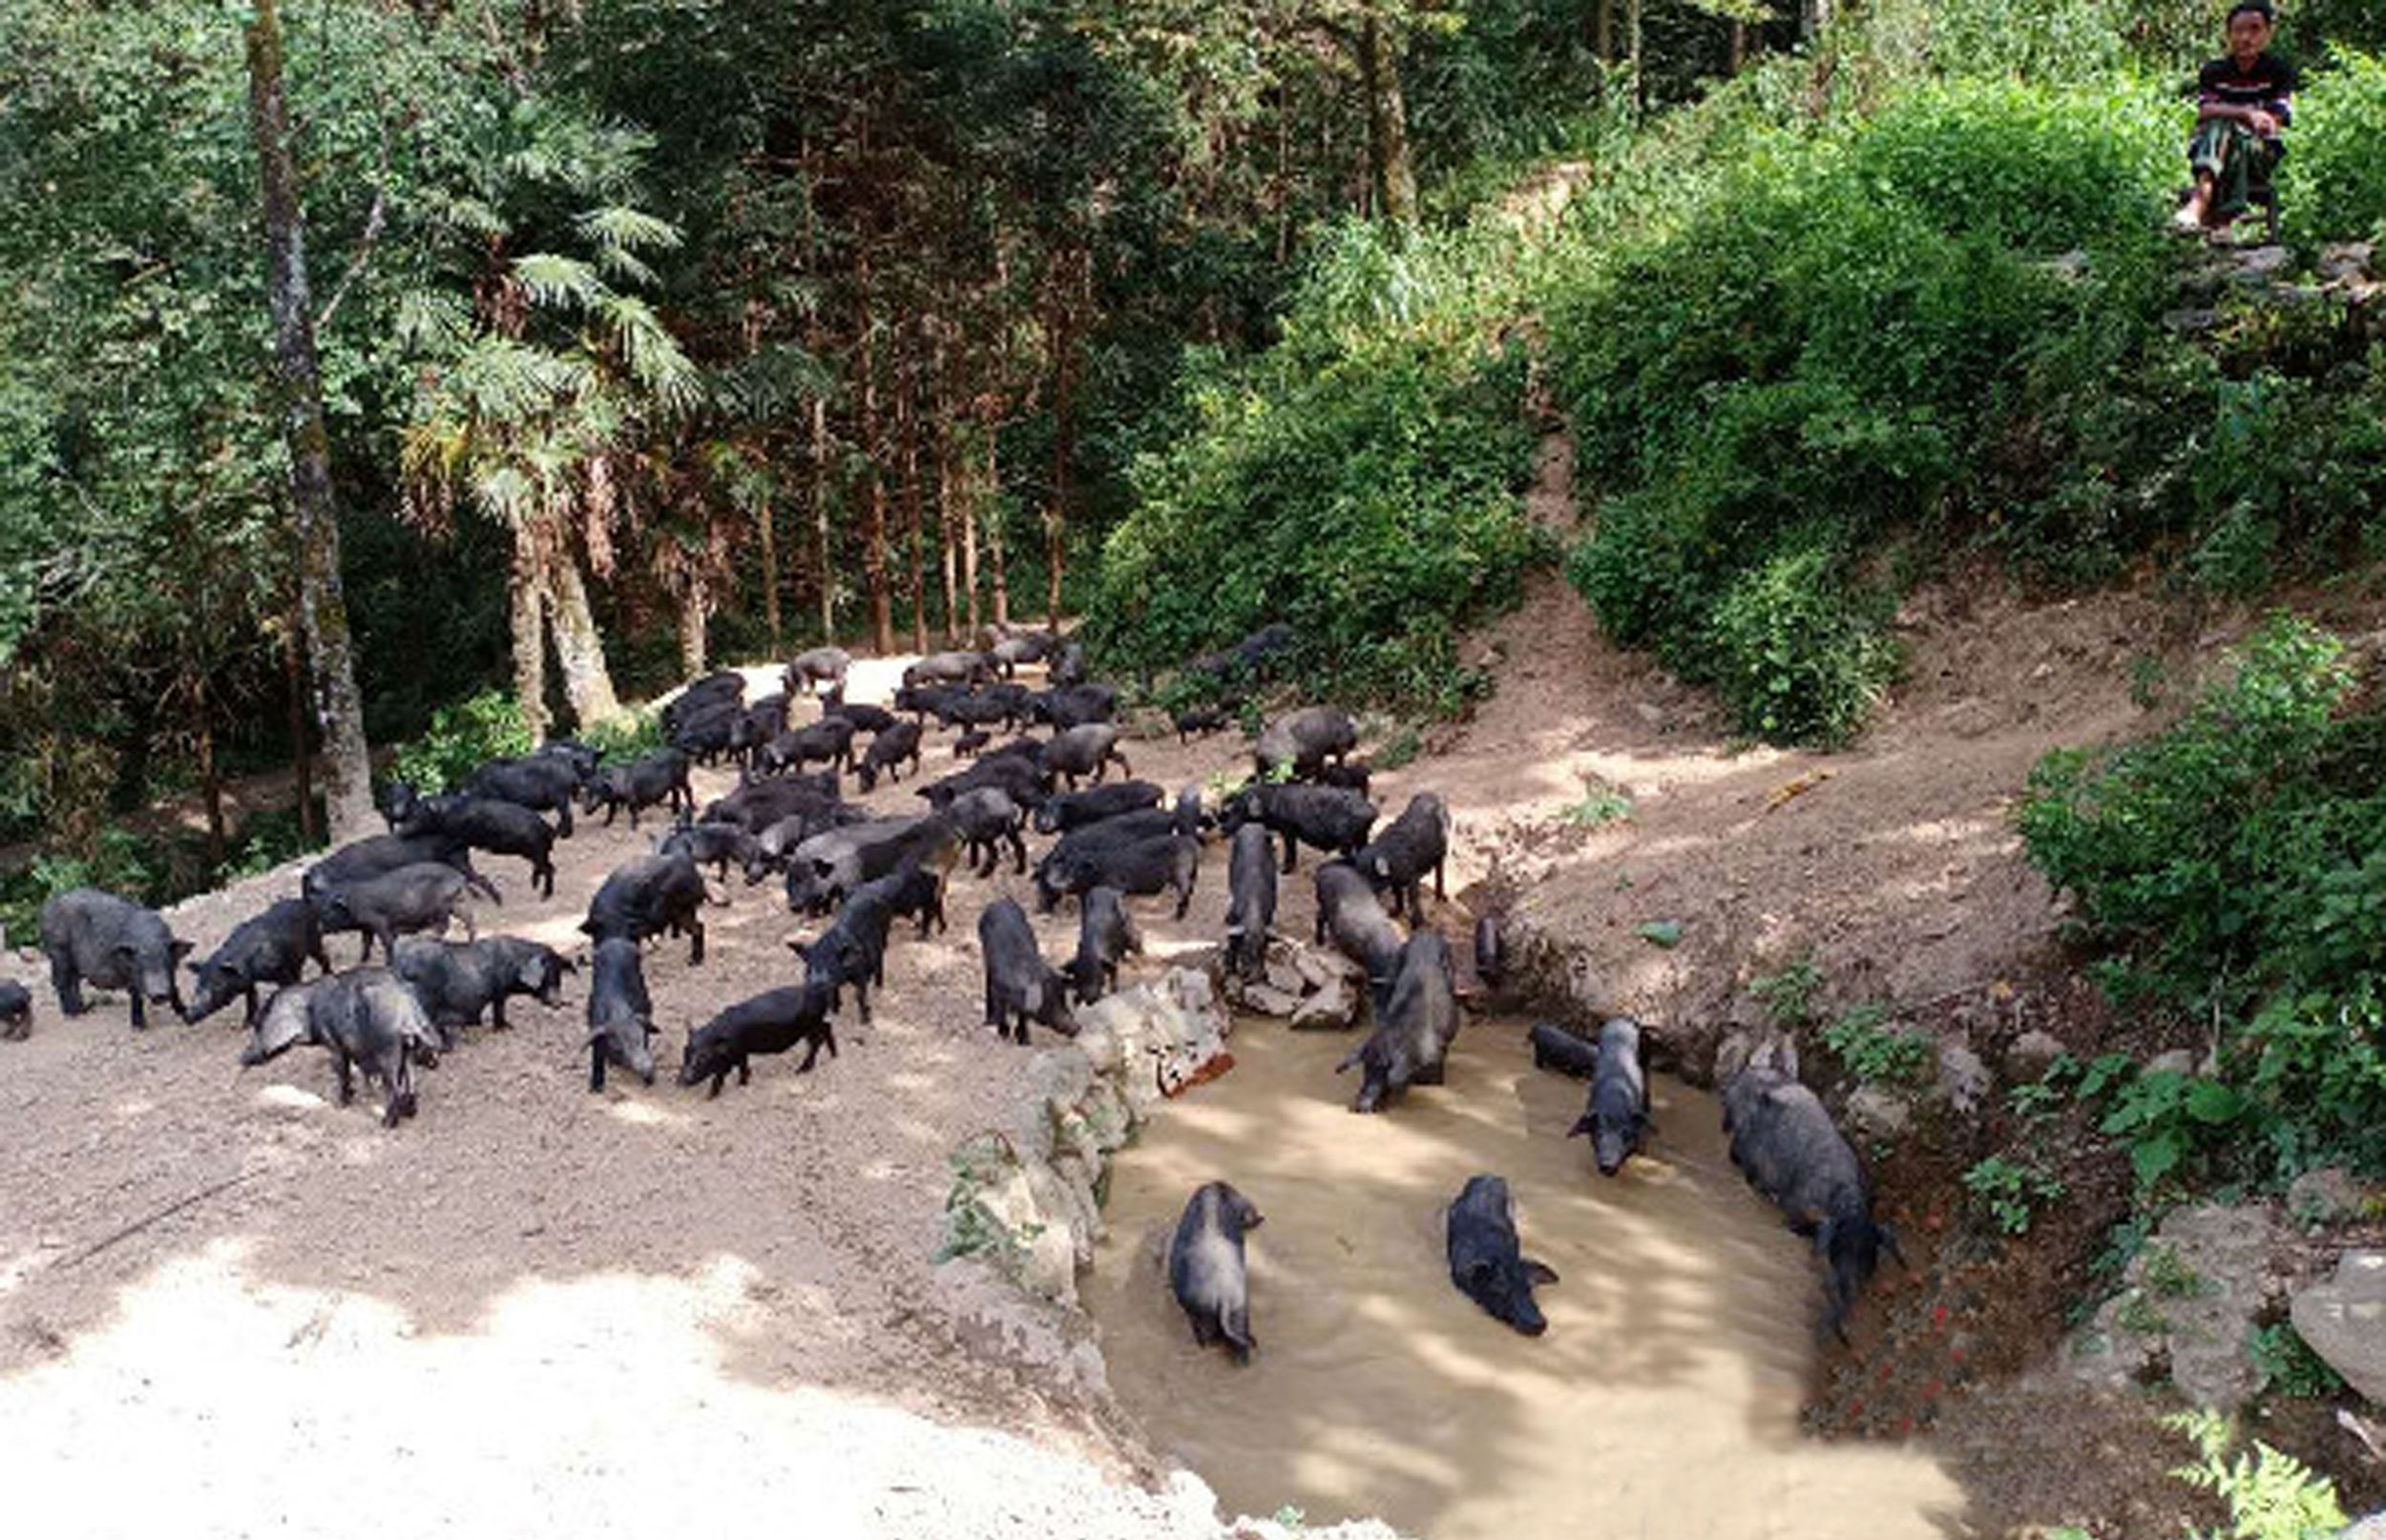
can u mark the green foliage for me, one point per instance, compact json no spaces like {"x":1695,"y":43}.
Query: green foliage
{"x":2332,"y":183}
{"x":1788,"y":993}
{"x":461,"y":738}
{"x":2270,"y":1496}
{"x":2011,"y":1191}
{"x":1872,"y":1049}
{"x":2233,"y":868}
{"x":1817,"y":353}
{"x":633,"y":734}
{"x":1361,"y":483}
{"x":1600,"y":806}
{"x":2285,"y":1364}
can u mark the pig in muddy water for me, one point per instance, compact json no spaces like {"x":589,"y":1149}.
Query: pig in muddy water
{"x":1416,"y":1023}
{"x":1206,"y":1270}
{"x":96,"y":938}
{"x":1785,"y":1143}
{"x":1617,"y":1116}
{"x":1486,"y":1260}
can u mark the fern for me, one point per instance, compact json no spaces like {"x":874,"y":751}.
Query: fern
{"x":2270,"y":1496}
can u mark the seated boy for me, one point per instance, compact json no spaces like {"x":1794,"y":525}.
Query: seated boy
{"x":2243,"y":102}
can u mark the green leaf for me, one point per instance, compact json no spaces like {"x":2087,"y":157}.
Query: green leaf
{"x":1667,"y":933}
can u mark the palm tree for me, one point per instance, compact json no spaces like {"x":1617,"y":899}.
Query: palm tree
{"x":533,"y":398}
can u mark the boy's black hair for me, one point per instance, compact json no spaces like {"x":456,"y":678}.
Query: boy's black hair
{"x":2260,"y":7}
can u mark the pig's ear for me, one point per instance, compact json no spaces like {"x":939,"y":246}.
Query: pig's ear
{"x":1540,"y":1272}
{"x":596,"y":1036}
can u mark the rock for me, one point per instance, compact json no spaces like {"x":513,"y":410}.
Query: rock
{"x":1333,"y":1009}
{"x":2328,"y":1195}
{"x":2177,"y":1061}
{"x":2255,"y":265}
{"x":2028,"y":1055}
{"x":2193,"y":1295}
{"x":1880,"y":1113}
{"x":1024,"y":1201}
{"x":1261,"y":999}
{"x":2344,"y":1322}
{"x":1962,"y":1078}
{"x":2191,"y":321}
{"x":2343,"y":259}
{"x":2071,"y":266}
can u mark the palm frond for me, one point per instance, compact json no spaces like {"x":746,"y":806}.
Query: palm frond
{"x":550,"y":277}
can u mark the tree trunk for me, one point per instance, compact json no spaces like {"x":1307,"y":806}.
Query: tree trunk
{"x":1063,"y":443}
{"x":874,"y":495}
{"x":948,"y":525}
{"x":914,"y":535}
{"x":1632,"y":49}
{"x":526,"y":621}
{"x":768,"y":522}
{"x":1390,"y":167}
{"x":302,"y":752}
{"x":322,"y":607}
{"x":1736,"y":51}
{"x":210,"y":784}
{"x":994,"y":533}
{"x":578,"y":648}
{"x":970,"y":492}
{"x":820,"y":520}
{"x":1814,"y":18}
{"x":694,"y":605}
{"x":1604,"y":31}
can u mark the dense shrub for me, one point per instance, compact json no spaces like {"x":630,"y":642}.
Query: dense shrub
{"x":462,"y":738}
{"x":2233,"y":869}
{"x":1818,"y":356}
{"x":1361,"y":483}
{"x":2332,"y":184}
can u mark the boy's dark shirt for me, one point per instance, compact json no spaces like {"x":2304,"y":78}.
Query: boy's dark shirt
{"x":2270,"y":84}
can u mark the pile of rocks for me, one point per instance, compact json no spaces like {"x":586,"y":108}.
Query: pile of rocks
{"x":1025,"y":1197}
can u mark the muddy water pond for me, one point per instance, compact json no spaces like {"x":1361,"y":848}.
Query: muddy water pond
{"x":1663,"y":1402}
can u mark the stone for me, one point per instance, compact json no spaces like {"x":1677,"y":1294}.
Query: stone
{"x":1878,"y":1112}
{"x":1962,"y":1078}
{"x":2028,"y":1055}
{"x":2191,"y":321}
{"x":1263,"y":999}
{"x":2344,"y":259}
{"x":2191,"y":1297}
{"x":1025,"y":1201}
{"x":1333,"y":1009}
{"x":2176,"y":1061}
{"x":2328,"y":1195}
{"x":2344,"y":1322}
{"x":2257,"y":264}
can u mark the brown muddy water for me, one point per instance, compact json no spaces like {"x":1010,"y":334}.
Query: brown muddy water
{"x":1661,"y":1402}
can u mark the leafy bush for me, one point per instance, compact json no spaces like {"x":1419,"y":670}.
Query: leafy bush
{"x":2332,"y":183}
{"x":2285,"y":1364}
{"x":462,"y":737}
{"x":1789,"y":993}
{"x":2011,"y":1191}
{"x":2233,"y":869}
{"x":633,"y":734}
{"x":1874,"y":1049}
{"x":1360,"y":482}
{"x":1823,"y":352}
{"x":2270,"y":1496}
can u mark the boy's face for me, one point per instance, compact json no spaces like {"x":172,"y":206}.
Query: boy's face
{"x":2249,"y":34}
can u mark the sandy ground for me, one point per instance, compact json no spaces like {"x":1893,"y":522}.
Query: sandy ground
{"x":532,"y":1308}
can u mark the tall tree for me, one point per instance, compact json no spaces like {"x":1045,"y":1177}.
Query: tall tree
{"x":315,"y":528}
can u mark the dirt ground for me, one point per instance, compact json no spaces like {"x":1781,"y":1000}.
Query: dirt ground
{"x":621,"y":1310}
